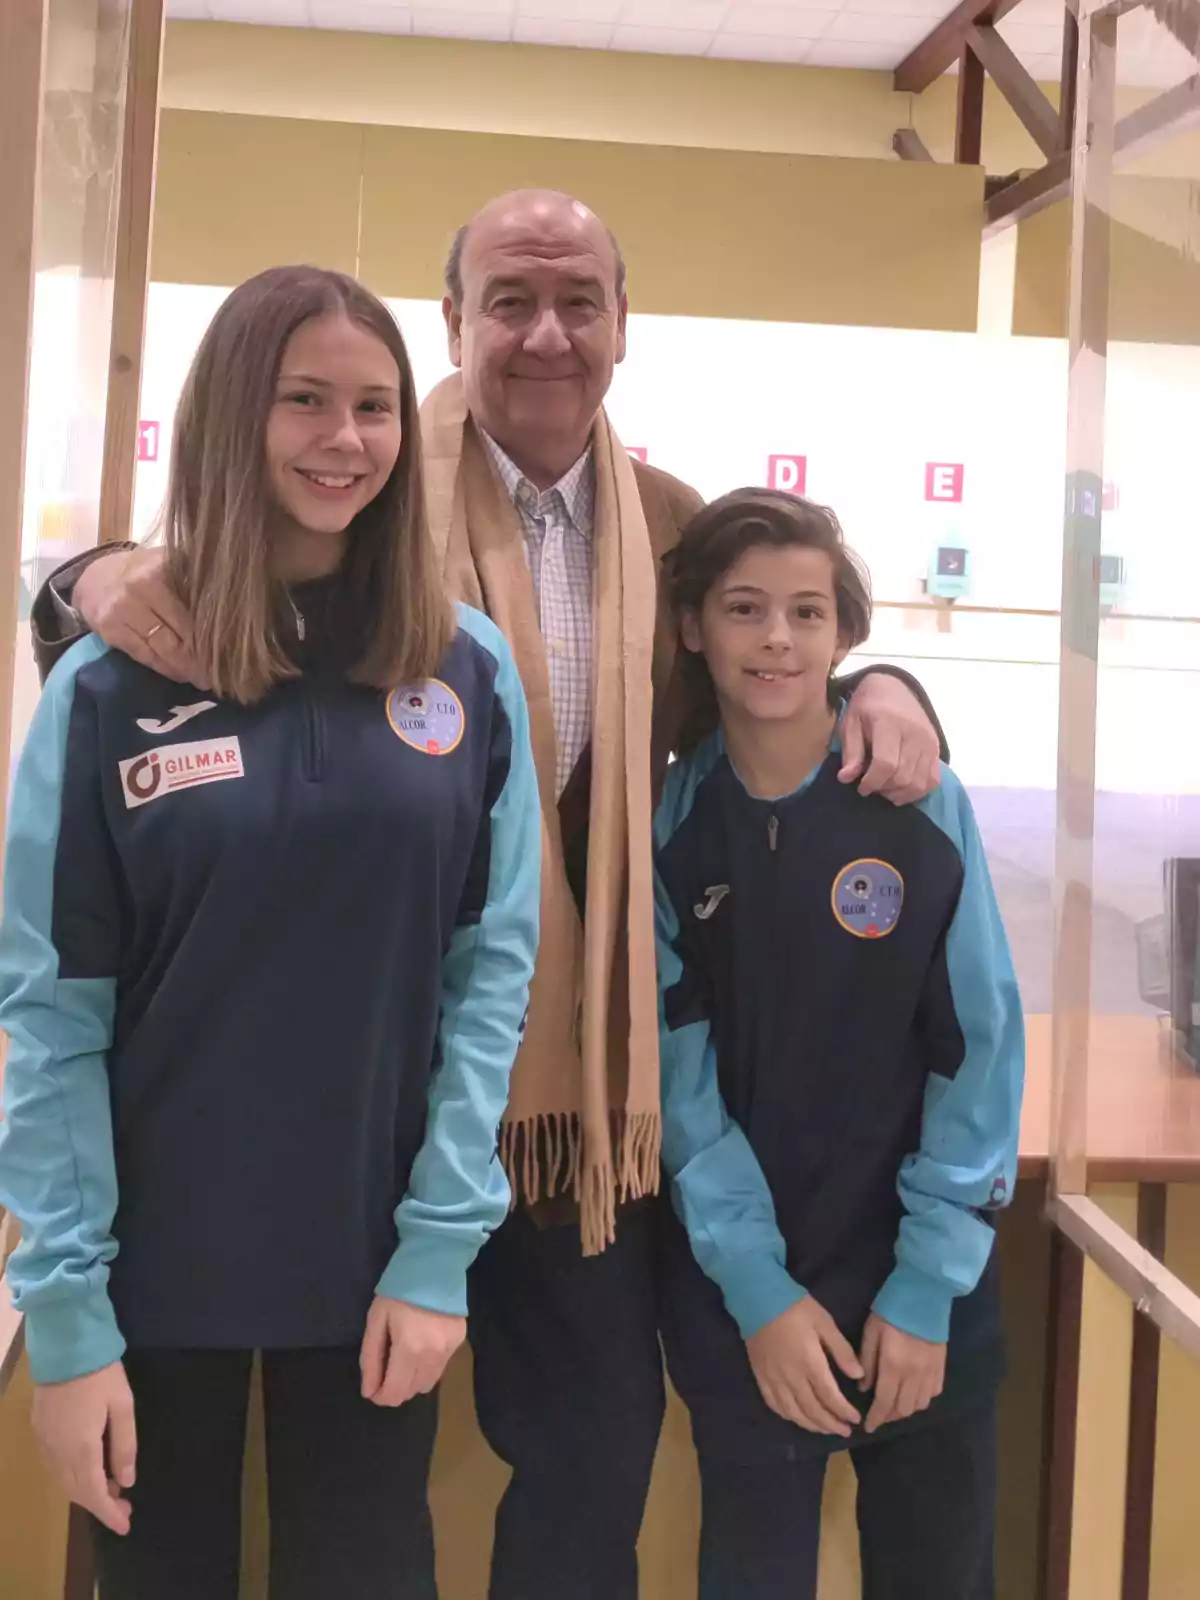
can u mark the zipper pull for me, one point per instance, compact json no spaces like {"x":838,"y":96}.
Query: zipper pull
{"x":299,"y":616}
{"x":772,"y":832}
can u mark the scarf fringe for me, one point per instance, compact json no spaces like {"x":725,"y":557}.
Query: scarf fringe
{"x":543,"y":1157}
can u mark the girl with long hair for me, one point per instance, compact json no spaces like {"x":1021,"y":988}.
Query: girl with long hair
{"x":264,"y":962}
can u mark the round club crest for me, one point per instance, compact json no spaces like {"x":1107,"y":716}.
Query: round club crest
{"x":867,"y":898}
{"x":427,"y":716}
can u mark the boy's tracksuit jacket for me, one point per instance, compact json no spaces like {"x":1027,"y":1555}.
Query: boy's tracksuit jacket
{"x":843,"y":1060}
{"x":264,"y":971}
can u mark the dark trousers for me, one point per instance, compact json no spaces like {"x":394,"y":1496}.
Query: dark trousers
{"x":346,"y":1481}
{"x":569,"y":1392}
{"x":926,"y":1514}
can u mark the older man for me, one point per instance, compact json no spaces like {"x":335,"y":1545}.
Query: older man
{"x":542,"y":519}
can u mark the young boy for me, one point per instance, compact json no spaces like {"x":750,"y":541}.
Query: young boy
{"x":843,"y":1056}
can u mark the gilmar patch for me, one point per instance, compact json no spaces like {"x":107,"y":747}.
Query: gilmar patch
{"x":428,"y":717}
{"x":179,"y":766}
{"x":867,"y":898}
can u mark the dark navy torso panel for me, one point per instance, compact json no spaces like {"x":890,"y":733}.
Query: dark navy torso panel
{"x":289,"y":876}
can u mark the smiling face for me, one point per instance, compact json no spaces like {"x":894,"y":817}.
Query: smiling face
{"x":768,"y":630}
{"x":333,"y":438}
{"x":540,"y":326}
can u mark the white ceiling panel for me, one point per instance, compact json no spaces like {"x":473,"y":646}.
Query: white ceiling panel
{"x":847,"y":53}
{"x":755,"y":47}
{"x":873,"y":34}
{"x":360,"y":16}
{"x":687,"y":16}
{"x":562,"y":31}
{"x":445,"y":23}
{"x":862,"y":27}
{"x":572,"y":10}
{"x":271,"y":13}
{"x":780,"y":22}
{"x":661,"y":41}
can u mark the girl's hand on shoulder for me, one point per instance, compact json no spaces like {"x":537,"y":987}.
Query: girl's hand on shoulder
{"x":405,"y":1350}
{"x":87,"y":1436}
{"x":790,"y":1358}
{"x":906,"y":1373}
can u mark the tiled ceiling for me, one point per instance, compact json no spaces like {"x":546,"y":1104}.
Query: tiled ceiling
{"x":816,"y":33}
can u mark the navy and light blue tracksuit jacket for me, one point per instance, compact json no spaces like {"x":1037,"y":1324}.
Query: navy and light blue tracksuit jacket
{"x":842,"y":1067}
{"x":264,"y":971}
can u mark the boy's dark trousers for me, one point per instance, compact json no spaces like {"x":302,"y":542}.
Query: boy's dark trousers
{"x":926,"y":1510}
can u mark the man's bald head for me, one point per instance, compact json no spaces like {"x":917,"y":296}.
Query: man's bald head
{"x":535,"y":311}
{"x":536,"y":207}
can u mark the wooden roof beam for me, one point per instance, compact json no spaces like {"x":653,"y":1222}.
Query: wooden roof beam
{"x":944,"y":46}
{"x":1170,"y":115}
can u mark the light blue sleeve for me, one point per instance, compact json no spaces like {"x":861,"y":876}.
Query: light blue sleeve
{"x":967,"y":1162}
{"x":57,"y":1168}
{"x":717,"y":1185}
{"x":458,"y":1193}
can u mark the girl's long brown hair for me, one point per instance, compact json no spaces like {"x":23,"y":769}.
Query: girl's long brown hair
{"x":715,"y":540}
{"x":219,"y":506}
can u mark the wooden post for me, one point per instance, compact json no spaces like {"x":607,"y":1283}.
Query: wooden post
{"x":23,"y":30}
{"x":1143,"y":1410}
{"x":1069,"y":85}
{"x":968,"y":131}
{"x":131,"y":274}
{"x":1080,"y":634}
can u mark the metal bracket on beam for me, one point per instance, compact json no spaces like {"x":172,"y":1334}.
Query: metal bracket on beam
{"x":909,"y":146}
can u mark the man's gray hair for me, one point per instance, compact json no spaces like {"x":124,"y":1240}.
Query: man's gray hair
{"x":453,"y":273}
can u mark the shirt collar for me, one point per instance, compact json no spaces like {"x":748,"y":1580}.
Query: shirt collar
{"x":576,"y":488}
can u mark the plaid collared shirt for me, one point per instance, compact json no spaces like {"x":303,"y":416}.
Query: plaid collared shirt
{"x":558,"y":524}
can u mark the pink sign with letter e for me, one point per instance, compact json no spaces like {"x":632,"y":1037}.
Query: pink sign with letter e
{"x":147,"y":441}
{"x":944,"y":481}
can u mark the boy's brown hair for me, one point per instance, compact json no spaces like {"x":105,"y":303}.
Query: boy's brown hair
{"x":715,"y":540}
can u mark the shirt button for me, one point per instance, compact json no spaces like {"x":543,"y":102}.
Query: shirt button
{"x":558,"y":646}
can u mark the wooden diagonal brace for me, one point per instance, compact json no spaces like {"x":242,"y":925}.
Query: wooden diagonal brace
{"x":943,"y":47}
{"x":1018,"y":87}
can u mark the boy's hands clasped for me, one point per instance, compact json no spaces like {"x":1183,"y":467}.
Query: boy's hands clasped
{"x":905,"y":1372}
{"x":791,"y":1358}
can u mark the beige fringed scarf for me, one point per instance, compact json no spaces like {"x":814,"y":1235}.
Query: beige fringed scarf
{"x":583,"y":1114}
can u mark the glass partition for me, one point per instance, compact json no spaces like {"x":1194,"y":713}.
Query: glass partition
{"x":87,"y":49}
{"x":1126,"y":1031}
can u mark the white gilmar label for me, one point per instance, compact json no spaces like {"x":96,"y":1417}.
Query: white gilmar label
{"x":179,"y":766}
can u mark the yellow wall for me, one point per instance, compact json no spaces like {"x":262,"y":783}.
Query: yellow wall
{"x":810,"y":238}
{"x":548,"y":93}
{"x":1154,"y":293}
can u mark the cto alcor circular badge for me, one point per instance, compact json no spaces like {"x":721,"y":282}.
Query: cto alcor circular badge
{"x":867,"y":897}
{"x":427,"y":716}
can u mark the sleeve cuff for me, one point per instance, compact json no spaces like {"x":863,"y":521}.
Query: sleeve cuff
{"x":71,"y":1339}
{"x":916,"y":1303}
{"x":756,"y":1290}
{"x":430,"y":1273}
